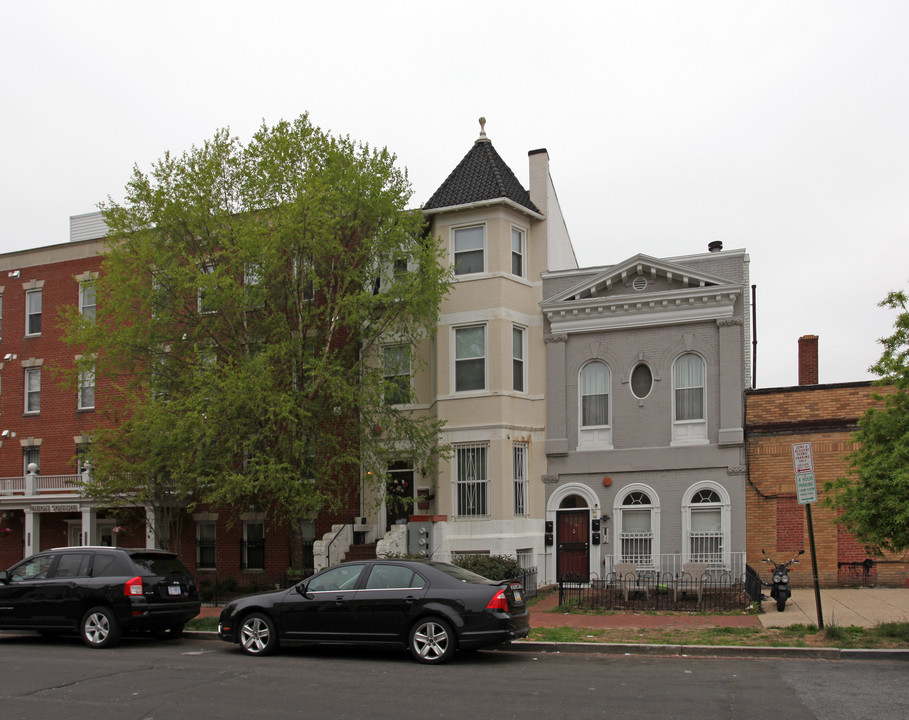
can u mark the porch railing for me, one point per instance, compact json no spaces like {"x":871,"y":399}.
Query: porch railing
{"x":38,"y":484}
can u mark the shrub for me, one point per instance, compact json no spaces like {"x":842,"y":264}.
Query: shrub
{"x":494,"y":567}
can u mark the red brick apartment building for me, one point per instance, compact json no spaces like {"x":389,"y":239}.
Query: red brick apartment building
{"x":43,"y":423}
{"x":825,"y":416}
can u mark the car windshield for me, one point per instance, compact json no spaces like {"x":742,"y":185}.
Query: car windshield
{"x":459,"y":573}
{"x":159,"y":564}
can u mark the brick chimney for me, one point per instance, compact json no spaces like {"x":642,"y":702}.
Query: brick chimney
{"x":808,"y":360}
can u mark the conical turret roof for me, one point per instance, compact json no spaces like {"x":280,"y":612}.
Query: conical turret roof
{"x":481,"y":176}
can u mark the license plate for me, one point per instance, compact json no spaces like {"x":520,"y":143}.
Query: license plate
{"x":518,"y":597}
{"x":173,"y":590}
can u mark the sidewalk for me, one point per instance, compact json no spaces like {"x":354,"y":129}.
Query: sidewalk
{"x":865,"y":607}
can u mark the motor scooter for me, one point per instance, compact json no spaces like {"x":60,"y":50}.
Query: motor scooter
{"x":780,"y":590}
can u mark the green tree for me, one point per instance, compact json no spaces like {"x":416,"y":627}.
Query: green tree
{"x":874,"y":501}
{"x":242,"y":306}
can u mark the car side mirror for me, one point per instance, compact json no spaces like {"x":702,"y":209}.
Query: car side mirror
{"x":4,"y":577}
{"x":301,"y":588}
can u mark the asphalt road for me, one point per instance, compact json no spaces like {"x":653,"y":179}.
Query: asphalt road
{"x":159,"y":680}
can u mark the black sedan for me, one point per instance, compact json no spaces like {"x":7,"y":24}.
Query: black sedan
{"x":431,"y":608}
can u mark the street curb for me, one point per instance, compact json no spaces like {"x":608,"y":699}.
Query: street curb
{"x":707,"y":651}
{"x":698,"y":651}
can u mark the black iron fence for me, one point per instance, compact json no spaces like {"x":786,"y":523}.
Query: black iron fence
{"x":528,"y":578}
{"x":652,"y":591}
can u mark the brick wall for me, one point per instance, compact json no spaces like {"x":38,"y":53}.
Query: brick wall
{"x":825,"y":416}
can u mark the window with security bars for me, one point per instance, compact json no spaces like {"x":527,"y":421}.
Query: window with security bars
{"x":636,"y":536}
{"x":472,"y":472}
{"x":705,"y":536}
{"x":520,"y":479}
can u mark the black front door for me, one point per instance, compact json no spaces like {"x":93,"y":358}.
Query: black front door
{"x":573,"y":545}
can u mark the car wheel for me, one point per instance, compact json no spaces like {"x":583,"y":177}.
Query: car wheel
{"x":171,"y":633}
{"x":432,"y":641}
{"x":258,"y":635}
{"x":100,"y":628}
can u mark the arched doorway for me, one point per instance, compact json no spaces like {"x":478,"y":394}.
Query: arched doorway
{"x":573,"y":540}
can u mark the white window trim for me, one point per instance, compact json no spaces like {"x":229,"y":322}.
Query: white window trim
{"x":594,"y":437}
{"x":454,"y":358}
{"x":523,"y":253}
{"x":484,"y":483}
{"x":689,"y":432}
{"x":30,"y":371}
{"x":524,"y":374}
{"x":82,"y":376}
{"x":452,"y":245}
{"x":28,"y":294}
{"x":725,"y":507}
{"x":83,"y":286}
{"x":617,"y":510}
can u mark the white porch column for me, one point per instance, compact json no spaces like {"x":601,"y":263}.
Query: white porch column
{"x":32,"y":532}
{"x":89,"y":525}
{"x":150,"y":527}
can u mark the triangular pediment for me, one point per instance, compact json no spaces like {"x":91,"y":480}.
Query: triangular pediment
{"x":640,"y":274}
{"x":642,"y":290}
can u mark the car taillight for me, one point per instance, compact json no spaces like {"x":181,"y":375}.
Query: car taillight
{"x":133,"y":587}
{"x":498,"y":602}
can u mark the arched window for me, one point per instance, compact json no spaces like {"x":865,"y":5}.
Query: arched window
{"x":689,"y":424}
{"x":636,"y":524}
{"x":593,"y":401}
{"x":705,"y":524}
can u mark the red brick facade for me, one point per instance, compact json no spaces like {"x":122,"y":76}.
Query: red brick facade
{"x":825,"y":416}
{"x":53,"y":432}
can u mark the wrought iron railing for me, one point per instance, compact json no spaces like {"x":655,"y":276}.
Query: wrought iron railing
{"x":650,"y":590}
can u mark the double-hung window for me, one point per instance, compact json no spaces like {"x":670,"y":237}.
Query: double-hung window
{"x":689,"y":413}
{"x":517,"y":359}
{"x":253,"y":545}
{"x":517,"y":252}
{"x":33,"y":312}
{"x":33,"y":390}
{"x":396,"y":368}
{"x":470,"y":358}
{"x":87,"y":389}
{"x":472,"y":473}
{"x":205,"y":545}
{"x":469,"y":250}
{"x":87,"y":305}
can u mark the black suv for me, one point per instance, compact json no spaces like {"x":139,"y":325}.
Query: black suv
{"x":99,"y":592}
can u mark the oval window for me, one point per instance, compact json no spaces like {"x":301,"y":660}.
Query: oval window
{"x":641,"y":381}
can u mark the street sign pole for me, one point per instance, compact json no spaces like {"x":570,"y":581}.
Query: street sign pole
{"x":806,"y":492}
{"x":817,"y":586}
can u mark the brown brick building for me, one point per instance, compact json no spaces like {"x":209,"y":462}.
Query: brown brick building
{"x":825,"y":416}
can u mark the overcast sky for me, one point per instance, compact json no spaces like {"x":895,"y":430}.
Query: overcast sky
{"x":781,"y":127}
